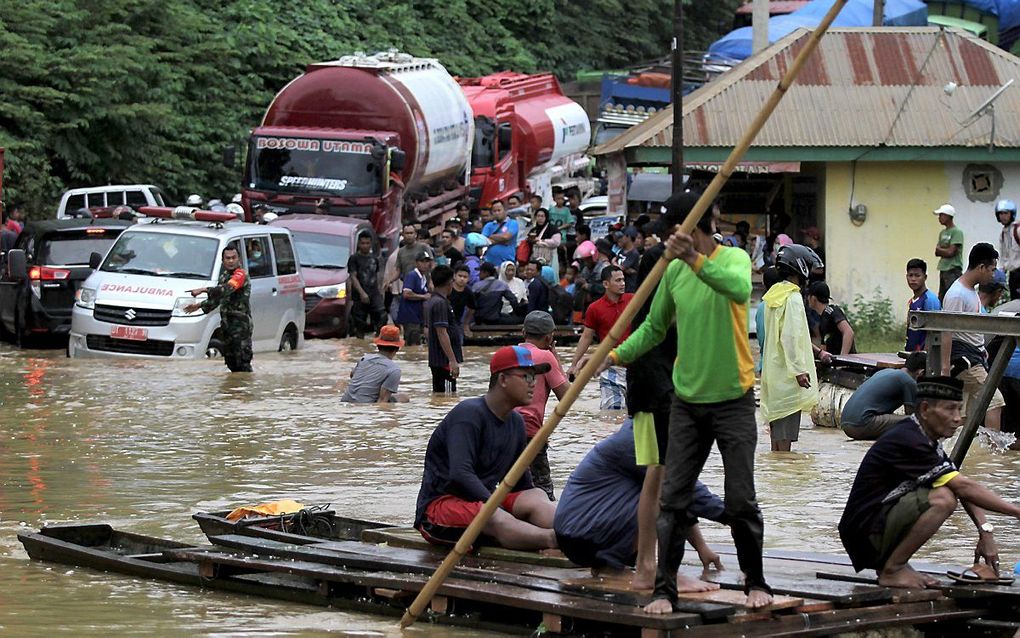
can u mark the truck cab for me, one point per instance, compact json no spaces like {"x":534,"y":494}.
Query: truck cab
{"x":133,"y":304}
{"x":528,"y":136}
{"x":384,"y":137}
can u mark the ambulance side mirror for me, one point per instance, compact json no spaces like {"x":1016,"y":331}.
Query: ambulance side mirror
{"x":94,"y":260}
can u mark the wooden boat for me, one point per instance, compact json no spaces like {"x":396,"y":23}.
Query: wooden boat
{"x":476,"y":603}
{"x":508,"y":335}
{"x":504,"y":595}
{"x":99,"y":546}
{"x":307,"y":526}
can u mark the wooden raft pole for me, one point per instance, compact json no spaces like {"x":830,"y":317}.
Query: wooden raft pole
{"x":540,"y":439}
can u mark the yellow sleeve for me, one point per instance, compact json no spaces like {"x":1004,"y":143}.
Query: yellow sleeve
{"x":945,"y":478}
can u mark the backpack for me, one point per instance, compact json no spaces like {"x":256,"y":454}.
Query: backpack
{"x":560,"y":302}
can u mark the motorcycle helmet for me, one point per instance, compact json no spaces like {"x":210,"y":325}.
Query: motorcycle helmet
{"x":1006,"y":206}
{"x":474,"y":242}
{"x":194,"y":200}
{"x":796,"y":259}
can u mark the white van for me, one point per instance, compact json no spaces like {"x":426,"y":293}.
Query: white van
{"x":133,"y":304}
{"x":133,"y":195}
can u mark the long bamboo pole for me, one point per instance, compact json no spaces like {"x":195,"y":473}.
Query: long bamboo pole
{"x":473,"y":530}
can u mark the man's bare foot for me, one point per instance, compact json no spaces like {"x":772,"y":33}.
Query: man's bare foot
{"x":905,"y":577}
{"x":756,"y":599}
{"x":644,"y":577}
{"x":688,"y":584}
{"x":659,"y":606}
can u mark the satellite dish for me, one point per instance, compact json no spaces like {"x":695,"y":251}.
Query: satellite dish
{"x":988,"y":104}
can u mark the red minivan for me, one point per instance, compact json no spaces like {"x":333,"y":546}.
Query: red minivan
{"x":323,"y":244}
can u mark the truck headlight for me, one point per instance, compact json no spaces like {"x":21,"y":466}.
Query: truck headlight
{"x":184,"y":301}
{"x":85,"y":298}
{"x":327,"y":292}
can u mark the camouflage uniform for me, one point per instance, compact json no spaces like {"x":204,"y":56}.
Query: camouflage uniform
{"x":231,"y":295}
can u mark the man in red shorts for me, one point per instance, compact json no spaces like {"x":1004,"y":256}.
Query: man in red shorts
{"x":472,"y":450}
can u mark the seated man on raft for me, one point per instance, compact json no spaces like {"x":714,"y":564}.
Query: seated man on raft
{"x":596,"y":522}
{"x":471,"y":451}
{"x":907,"y":487}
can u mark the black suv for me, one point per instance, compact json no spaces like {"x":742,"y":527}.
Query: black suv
{"x":40,"y":275}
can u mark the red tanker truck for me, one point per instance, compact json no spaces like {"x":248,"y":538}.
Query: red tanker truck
{"x":390,"y":137}
{"x":380,"y":137}
{"x":528,"y":136}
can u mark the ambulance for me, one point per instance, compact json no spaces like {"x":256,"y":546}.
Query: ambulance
{"x":133,"y":303}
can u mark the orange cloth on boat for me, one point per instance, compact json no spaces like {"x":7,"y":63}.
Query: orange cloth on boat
{"x":286,"y":506}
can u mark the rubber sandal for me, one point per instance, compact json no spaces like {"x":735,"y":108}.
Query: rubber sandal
{"x":970,"y":577}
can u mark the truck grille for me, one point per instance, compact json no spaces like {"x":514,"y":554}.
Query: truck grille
{"x":152,"y":347}
{"x":142,"y":316}
{"x":311,"y":301}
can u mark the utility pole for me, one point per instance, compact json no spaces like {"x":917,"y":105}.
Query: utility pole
{"x":759,"y":25}
{"x":878,"y":17}
{"x":678,"y":92}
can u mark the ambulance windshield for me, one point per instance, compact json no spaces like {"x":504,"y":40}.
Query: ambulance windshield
{"x":163,"y":255}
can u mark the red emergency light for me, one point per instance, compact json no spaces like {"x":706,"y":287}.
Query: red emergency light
{"x":188,"y":213}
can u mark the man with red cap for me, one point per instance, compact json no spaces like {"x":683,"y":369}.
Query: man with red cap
{"x":471,"y":451}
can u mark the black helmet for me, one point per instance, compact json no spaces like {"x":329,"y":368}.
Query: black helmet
{"x":795,"y":259}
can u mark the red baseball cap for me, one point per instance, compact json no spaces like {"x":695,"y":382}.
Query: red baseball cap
{"x":509,"y":357}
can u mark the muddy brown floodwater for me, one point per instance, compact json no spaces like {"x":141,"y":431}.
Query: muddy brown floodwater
{"x":143,"y":444}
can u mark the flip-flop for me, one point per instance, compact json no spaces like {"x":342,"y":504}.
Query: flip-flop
{"x":970,"y":577}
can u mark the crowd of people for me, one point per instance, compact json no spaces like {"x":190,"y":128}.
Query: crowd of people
{"x":631,"y":505}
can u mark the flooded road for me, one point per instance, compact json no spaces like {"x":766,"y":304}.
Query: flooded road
{"x":144,"y":444}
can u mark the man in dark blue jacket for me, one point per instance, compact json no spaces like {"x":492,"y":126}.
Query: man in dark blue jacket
{"x":472,"y":450}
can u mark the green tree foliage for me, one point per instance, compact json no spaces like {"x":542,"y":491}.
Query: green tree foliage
{"x":151,"y":91}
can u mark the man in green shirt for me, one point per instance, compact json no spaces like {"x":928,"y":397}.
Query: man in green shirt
{"x":949,"y":250}
{"x":706,"y":290}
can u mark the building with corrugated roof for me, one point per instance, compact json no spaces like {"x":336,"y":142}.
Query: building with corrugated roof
{"x":882,"y":126}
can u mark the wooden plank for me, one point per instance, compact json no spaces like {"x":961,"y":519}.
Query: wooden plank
{"x":840,"y":593}
{"x":823,"y":559}
{"x":946,"y":587}
{"x":408,"y":537}
{"x":839,"y":621}
{"x":565,"y":605}
{"x":346,"y":554}
{"x":553,"y":623}
{"x":719,"y":596}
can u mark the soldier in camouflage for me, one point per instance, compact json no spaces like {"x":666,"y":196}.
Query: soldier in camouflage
{"x":231,"y":296}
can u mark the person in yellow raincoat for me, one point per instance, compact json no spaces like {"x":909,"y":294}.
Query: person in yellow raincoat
{"x":788,"y":377}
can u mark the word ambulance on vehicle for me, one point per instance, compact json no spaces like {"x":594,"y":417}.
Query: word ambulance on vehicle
{"x":133,"y":304}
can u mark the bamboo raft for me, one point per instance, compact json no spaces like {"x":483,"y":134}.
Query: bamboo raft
{"x":368,"y":567}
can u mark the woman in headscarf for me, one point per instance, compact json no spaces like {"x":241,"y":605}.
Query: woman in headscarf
{"x":547,"y":240}
{"x":508,"y":274}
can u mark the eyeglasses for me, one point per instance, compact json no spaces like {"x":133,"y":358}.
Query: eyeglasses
{"x":529,"y":377}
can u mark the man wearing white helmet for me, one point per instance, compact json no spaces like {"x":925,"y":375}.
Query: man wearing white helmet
{"x":236,"y":209}
{"x":194,"y":200}
{"x":1009,"y":244}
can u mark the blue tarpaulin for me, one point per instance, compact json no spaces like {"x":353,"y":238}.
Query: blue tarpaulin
{"x":1008,"y":12}
{"x":736,"y":45}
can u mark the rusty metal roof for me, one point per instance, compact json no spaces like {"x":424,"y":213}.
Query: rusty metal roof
{"x":863,"y":87}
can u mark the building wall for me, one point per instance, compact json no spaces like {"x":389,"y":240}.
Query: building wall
{"x":900,"y":197}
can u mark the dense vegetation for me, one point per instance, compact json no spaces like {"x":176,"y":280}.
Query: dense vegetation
{"x":123,"y":91}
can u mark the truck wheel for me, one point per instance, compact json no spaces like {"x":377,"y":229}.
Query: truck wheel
{"x":215,"y":349}
{"x":289,"y":340}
